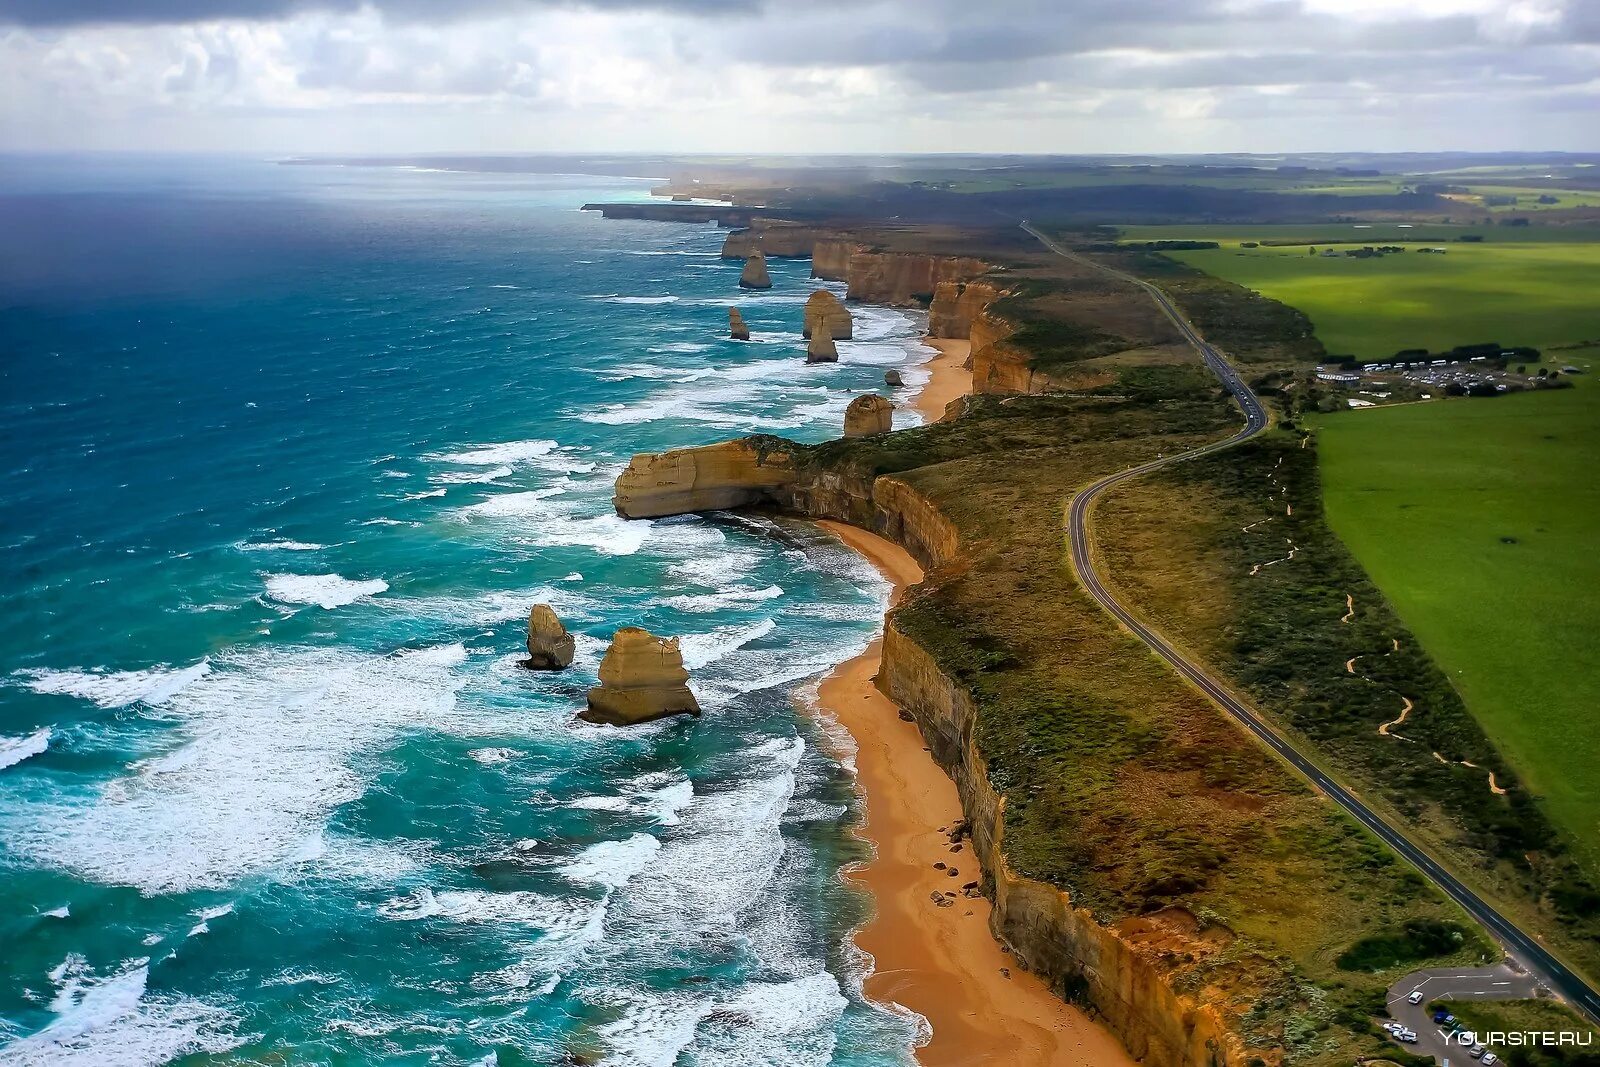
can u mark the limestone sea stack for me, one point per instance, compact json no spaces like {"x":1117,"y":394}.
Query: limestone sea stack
{"x":892,"y":377}
{"x":821,"y":349}
{"x":736,"y":327}
{"x":754,"y":275}
{"x":823,"y":306}
{"x":642,"y":678}
{"x":868,"y":414}
{"x":549,"y":644}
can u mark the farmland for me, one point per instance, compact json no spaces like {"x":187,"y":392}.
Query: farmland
{"x":1521,"y":286}
{"x":1478,"y":519}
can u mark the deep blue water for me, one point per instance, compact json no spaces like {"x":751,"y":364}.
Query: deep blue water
{"x":288,"y":452}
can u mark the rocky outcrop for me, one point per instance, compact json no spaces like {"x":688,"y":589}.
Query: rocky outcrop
{"x":957,"y":305}
{"x":642,"y":677}
{"x":906,"y":278}
{"x":830,"y":258}
{"x":727,"y":475}
{"x":821,"y":349}
{"x":736,"y":327}
{"x":868,"y":414}
{"x":892,"y":377}
{"x":721,"y":214}
{"x":754,"y":275}
{"x":998,"y":366}
{"x":550,"y":647}
{"x":774,"y":237}
{"x":823,"y":307}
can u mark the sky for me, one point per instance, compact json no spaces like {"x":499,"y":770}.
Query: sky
{"x":799,"y":76}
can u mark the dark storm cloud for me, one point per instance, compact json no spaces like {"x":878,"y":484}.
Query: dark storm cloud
{"x":79,"y":12}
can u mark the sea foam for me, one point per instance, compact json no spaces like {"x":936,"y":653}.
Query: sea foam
{"x":324,"y":590}
{"x":13,"y":750}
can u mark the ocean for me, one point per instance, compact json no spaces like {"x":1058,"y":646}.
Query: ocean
{"x":288,"y":454}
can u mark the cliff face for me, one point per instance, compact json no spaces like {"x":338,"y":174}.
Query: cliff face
{"x":999,"y":366}
{"x":774,"y":238}
{"x":903,"y":278}
{"x":830,"y":258}
{"x":1127,"y":974}
{"x":956,"y":306}
{"x":727,"y":475}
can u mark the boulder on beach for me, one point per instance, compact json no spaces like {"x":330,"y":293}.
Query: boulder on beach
{"x":754,"y":275}
{"x":549,"y":644}
{"x":642,"y":677}
{"x":736,"y":327}
{"x":892,"y":377}
{"x":821,"y":349}
{"x":868,"y":414}
{"x":822,"y":306}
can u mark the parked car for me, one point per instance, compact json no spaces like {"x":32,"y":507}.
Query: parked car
{"x":1415,"y":997}
{"x":1490,"y":1059}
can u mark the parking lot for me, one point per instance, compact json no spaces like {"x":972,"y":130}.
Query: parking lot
{"x":1446,"y":984}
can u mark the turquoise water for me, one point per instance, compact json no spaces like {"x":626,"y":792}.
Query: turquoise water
{"x":288,"y":453}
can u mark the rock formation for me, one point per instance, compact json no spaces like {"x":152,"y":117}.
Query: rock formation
{"x":754,"y":275}
{"x":822,"y":306}
{"x":774,"y":237}
{"x":549,"y":644}
{"x":830,"y":258}
{"x":868,"y":414}
{"x":892,"y":377}
{"x":956,"y":306}
{"x":642,"y":677}
{"x":726,"y":475}
{"x":821,"y":349}
{"x":906,"y":278}
{"x":736,"y":327}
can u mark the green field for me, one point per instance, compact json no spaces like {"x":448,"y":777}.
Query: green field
{"x":1480,"y":520}
{"x":1532,"y":286}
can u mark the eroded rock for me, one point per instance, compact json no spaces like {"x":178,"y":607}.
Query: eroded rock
{"x":642,"y":677}
{"x":821,"y":349}
{"x":736,"y":326}
{"x":892,"y":377}
{"x":550,"y":646}
{"x":754,"y":275}
{"x":868,"y":414}
{"x":823,"y":307}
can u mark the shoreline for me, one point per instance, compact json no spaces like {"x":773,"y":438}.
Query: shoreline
{"x":940,"y":962}
{"x":949,"y":377}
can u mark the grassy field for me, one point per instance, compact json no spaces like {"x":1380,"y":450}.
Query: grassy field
{"x":1530,"y":286}
{"x":1479,"y":520}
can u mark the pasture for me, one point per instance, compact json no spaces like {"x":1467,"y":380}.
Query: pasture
{"x":1480,"y":520}
{"x":1518,"y":286}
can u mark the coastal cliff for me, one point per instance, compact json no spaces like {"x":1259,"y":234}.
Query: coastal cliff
{"x":905,"y":278}
{"x":785,"y":240}
{"x":830,"y":258}
{"x":1128,"y":974}
{"x":957,"y":305}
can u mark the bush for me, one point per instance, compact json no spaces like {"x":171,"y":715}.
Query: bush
{"x":1419,"y":939}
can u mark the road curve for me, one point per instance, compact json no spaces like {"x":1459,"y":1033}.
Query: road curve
{"x":1523,"y":947}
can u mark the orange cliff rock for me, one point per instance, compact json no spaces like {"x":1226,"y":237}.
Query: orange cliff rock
{"x":906,"y":278}
{"x":830,"y":258}
{"x":737,"y":329}
{"x":642,"y":677}
{"x":727,"y":475}
{"x":956,"y":305}
{"x":754,"y":275}
{"x":550,"y":646}
{"x":868,"y":414}
{"x":821,"y":349}
{"x":822,"y":306}
{"x":774,"y":237}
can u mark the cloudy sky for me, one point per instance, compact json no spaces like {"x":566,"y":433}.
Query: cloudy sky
{"x":800,"y":75}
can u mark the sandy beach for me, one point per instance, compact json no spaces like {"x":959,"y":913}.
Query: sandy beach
{"x":950,"y":377}
{"x":940,"y":962}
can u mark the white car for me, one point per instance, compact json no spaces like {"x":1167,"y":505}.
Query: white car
{"x":1415,"y":997}
{"x":1408,"y":1036}
{"x":1490,"y":1059}
{"x":1475,"y":1051}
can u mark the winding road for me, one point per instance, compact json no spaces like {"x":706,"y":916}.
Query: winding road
{"x":1519,"y":945}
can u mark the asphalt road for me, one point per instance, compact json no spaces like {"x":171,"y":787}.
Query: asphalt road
{"x":1522,"y":947}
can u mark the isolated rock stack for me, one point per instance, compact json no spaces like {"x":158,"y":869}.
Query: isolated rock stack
{"x":549,"y":645}
{"x":736,"y":327}
{"x":821,"y":349}
{"x":823,"y":307}
{"x":892,"y":377}
{"x":867,"y":415}
{"x":754,"y":275}
{"x":642,"y":677}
